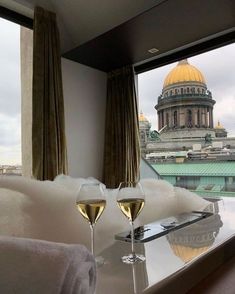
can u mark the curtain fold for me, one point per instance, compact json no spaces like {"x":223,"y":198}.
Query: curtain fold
{"x":48,"y":126}
{"x":122,"y":148}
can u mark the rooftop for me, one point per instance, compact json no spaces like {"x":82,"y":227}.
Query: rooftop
{"x":214,"y":169}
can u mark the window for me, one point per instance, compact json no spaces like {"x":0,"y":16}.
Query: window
{"x":229,"y":184}
{"x":191,"y":140}
{"x":167,"y":119}
{"x":16,"y":68}
{"x":187,"y":182}
{"x":189,"y":118}
{"x":175,"y":119}
{"x":198,"y":117}
{"x":10,"y":98}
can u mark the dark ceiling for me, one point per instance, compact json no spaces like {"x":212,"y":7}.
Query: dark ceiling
{"x":171,"y":25}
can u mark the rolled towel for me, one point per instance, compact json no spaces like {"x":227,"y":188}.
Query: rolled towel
{"x":33,"y":266}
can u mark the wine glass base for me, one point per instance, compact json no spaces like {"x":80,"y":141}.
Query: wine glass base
{"x":130,"y":258}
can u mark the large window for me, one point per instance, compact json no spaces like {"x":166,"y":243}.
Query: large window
{"x":190,"y":105}
{"x":10,"y":98}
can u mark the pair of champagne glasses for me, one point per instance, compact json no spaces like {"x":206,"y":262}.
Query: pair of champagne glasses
{"x":91,"y":203}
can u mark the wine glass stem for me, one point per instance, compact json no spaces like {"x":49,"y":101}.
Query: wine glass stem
{"x":132,"y":239}
{"x":92,"y":239}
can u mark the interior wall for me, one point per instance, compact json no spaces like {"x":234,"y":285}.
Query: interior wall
{"x":84,"y":99}
{"x":26,"y":66}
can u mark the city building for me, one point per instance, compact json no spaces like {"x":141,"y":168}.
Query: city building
{"x":185,"y":115}
{"x":210,"y":179}
{"x":188,"y":150}
{"x":185,"y":106}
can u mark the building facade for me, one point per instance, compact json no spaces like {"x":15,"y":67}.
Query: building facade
{"x":185,"y":115}
{"x":188,"y":150}
{"x":185,"y":107}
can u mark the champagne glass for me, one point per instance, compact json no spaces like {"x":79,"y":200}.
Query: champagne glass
{"x":130,"y":200}
{"x":91,"y":203}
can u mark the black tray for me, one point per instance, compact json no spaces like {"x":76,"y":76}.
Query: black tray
{"x":162,"y":227}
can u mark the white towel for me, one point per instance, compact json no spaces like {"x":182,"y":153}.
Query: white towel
{"x":40,"y":267}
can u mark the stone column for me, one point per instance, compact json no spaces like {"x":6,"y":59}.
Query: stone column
{"x":163,"y":120}
{"x":200,"y":111}
{"x":211,"y":118}
{"x":209,"y":115}
{"x":206,"y":117}
{"x":193,"y":117}
{"x":158,"y":118}
{"x":170,"y":118}
{"x":178,"y":117}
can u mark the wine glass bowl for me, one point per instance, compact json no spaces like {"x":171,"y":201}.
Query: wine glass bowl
{"x":91,"y":203}
{"x":130,"y":200}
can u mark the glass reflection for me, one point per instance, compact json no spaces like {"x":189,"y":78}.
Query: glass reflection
{"x":194,"y":240}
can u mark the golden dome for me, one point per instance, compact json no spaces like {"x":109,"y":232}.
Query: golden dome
{"x":142,"y":117}
{"x":187,"y":253}
{"x":184,"y":72}
{"x":219,"y":126}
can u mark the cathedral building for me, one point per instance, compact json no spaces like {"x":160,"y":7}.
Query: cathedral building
{"x":187,"y":150}
{"x":185,"y":107}
{"x":185,"y":114}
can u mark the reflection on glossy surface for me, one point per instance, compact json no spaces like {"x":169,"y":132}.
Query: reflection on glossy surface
{"x":167,"y":254}
{"x":214,"y":205}
{"x":129,"y":278}
{"x":139,"y":276}
{"x":192,"y":241}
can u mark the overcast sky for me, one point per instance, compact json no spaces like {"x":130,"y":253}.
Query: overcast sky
{"x":218,"y":68}
{"x":10,"y":97}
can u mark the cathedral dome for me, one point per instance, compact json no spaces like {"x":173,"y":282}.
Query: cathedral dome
{"x":219,"y":126}
{"x":184,"y":72}
{"x":142,"y":118}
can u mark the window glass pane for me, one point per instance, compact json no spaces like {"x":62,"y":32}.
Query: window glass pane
{"x":10,"y":98}
{"x":188,"y":123}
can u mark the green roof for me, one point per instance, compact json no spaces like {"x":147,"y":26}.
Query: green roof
{"x":210,"y":169}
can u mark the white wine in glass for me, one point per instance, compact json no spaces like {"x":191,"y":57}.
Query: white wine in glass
{"x":91,"y":203}
{"x":131,"y":201}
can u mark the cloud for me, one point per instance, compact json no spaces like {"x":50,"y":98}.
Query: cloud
{"x":10,"y":34}
{"x":10,"y":139}
{"x":10,"y":130}
{"x":10,"y":94}
{"x":10,"y":99}
{"x":224,"y":112}
{"x":10,"y":155}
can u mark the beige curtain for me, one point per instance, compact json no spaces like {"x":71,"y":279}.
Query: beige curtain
{"x":48,"y":128}
{"x":122,"y":149}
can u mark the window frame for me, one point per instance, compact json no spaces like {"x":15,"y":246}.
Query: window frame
{"x":16,"y":17}
{"x":212,"y":42}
